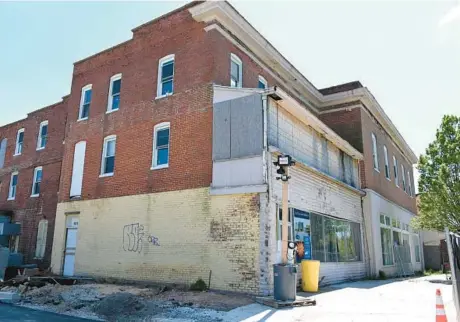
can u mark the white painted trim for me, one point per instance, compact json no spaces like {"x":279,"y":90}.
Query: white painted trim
{"x":39,"y":138}
{"x":263,"y":81}
{"x":15,"y":173}
{"x":366,"y":97}
{"x":109,"y":98}
{"x":156,"y":128}
{"x":161,"y":62}
{"x":387,"y":162}
{"x":375,"y":153}
{"x":238,"y":190}
{"x":237,"y":60}
{"x":259,"y":62}
{"x":104,"y":151}
{"x":16,"y":152}
{"x":225,"y":14}
{"x":396,"y":173}
{"x":403,"y":171}
{"x":82,"y":98}
{"x":34,"y":181}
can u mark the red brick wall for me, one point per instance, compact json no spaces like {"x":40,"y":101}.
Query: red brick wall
{"x":189,"y":111}
{"x":347,"y":124}
{"x":377,"y":180}
{"x":29,"y":211}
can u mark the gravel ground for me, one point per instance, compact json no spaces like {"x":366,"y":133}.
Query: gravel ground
{"x":129,"y":303}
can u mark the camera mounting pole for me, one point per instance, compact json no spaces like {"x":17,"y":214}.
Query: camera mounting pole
{"x":282,"y":168}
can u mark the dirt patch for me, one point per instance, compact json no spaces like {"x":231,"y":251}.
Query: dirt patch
{"x":124,"y":302}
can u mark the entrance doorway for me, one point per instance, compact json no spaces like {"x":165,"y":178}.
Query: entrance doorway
{"x":70,"y":246}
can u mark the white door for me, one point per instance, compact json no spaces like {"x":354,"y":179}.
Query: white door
{"x":77,"y":170}
{"x":70,"y":248}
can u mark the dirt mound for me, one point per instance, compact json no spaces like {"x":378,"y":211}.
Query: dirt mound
{"x":119,"y":305}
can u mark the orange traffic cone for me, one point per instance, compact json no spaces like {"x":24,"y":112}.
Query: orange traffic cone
{"x":440,"y":312}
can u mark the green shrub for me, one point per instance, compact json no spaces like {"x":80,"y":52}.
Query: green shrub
{"x":199,"y":285}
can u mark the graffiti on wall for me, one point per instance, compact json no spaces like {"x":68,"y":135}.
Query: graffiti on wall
{"x":134,"y":236}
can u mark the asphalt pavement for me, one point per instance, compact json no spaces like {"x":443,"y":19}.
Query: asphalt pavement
{"x":15,"y":313}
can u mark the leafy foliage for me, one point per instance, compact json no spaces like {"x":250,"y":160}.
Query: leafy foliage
{"x":439,"y":183}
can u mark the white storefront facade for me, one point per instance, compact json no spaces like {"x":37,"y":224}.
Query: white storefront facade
{"x":392,"y":241}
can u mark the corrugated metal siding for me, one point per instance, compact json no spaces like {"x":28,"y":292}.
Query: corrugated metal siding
{"x":312,"y":192}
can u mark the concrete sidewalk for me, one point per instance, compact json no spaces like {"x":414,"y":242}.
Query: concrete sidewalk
{"x":363,"y":301}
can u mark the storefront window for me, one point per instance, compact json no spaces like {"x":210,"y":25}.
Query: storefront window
{"x":387,"y":248}
{"x":317,"y":238}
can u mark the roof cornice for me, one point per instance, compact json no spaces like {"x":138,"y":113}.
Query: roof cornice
{"x":366,"y":97}
{"x":234,"y":22}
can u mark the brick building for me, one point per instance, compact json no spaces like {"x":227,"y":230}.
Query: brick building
{"x":167,"y":170}
{"x":386,"y":176}
{"x":30,"y":165}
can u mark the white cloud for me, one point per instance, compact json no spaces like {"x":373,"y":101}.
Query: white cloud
{"x":451,"y":16}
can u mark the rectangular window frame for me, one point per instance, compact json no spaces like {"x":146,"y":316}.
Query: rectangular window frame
{"x":395,"y":170}
{"x":375,"y":155}
{"x":42,"y":138}
{"x":19,"y":145}
{"x":110,"y":108}
{"x":160,"y":80}
{"x":389,"y":224}
{"x":156,"y":129}
{"x":239,"y":82}
{"x":84,"y":89}
{"x":12,"y":192}
{"x":262,"y":81}
{"x":35,"y":181}
{"x":387,"y":164}
{"x":409,"y":184}
{"x":108,"y":139}
{"x":403,"y":171}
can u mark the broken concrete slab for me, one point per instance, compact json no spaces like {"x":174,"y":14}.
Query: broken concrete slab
{"x":9,"y":297}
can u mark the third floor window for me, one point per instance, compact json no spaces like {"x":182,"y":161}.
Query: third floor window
{"x":42,"y":135}
{"x":166,"y":76}
{"x":114,"y":93}
{"x":387,"y":165}
{"x":375,"y":156}
{"x":19,"y":142}
{"x":85,"y":102}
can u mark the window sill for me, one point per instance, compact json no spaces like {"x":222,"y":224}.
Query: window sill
{"x":106,"y":175}
{"x":388,"y":179}
{"x":163,"y":166}
{"x":163,"y":96}
{"x":16,"y":154}
{"x":111,"y":111}
{"x":34,"y":196}
{"x":82,"y":119}
{"x":376,"y":170}
{"x":39,"y":149}
{"x":10,"y":199}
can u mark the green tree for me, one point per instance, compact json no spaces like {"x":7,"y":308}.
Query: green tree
{"x":439,"y":183}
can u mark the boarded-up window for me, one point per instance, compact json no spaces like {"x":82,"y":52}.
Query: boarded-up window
{"x":41,"y":238}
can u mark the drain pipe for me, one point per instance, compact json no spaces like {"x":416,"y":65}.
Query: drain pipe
{"x":365,"y":241}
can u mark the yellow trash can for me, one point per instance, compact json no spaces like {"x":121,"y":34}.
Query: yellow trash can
{"x":310,"y":275}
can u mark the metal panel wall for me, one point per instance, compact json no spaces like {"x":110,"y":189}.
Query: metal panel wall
{"x":238,"y":128}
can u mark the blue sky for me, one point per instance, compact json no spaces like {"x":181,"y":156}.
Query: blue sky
{"x":406,"y":53}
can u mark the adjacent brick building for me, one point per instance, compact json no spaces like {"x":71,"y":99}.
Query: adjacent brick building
{"x":386,"y":174}
{"x":27,"y":146}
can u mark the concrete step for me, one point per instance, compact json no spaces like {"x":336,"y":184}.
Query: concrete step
{"x":9,"y":297}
